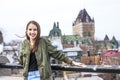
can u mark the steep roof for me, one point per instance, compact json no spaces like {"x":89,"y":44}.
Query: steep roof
{"x":106,"y":38}
{"x":83,"y":15}
{"x":114,"y":42}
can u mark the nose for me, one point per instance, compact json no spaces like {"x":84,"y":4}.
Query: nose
{"x":32,"y":31}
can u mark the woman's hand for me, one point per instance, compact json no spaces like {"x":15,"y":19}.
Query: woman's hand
{"x":78,"y":64}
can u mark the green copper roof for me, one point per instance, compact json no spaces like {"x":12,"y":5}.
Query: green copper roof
{"x":55,"y":31}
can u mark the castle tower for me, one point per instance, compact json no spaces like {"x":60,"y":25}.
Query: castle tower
{"x":55,"y":36}
{"x":84,"y":25}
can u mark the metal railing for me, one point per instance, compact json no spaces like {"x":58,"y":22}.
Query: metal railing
{"x":60,"y":67}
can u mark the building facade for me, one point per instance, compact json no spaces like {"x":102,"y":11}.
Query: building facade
{"x":84,"y":25}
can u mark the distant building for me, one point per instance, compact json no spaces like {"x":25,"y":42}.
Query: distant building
{"x":84,"y":25}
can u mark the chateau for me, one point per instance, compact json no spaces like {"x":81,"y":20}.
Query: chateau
{"x":84,"y":25}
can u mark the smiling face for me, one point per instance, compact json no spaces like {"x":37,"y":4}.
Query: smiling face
{"x":32,"y":31}
{"x":33,"y":34}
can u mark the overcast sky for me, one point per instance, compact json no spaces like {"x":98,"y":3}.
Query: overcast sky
{"x":15,"y":14}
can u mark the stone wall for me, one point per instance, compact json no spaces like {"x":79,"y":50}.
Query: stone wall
{"x":4,"y":71}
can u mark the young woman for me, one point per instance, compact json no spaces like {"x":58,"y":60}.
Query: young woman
{"x":36,"y":52}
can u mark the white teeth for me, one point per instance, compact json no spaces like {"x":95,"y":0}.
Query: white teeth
{"x":32,"y":34}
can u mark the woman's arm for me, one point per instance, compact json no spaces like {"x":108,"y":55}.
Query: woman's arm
{"x":59,"y":55}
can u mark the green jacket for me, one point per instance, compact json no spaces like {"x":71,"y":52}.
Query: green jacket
{"x":43,"y":54}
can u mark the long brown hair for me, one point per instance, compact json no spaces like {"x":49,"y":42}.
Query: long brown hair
{"x":35,"y":47}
